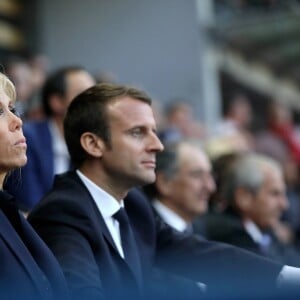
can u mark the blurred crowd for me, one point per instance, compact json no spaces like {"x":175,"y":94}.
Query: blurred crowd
{"x":229,"y":183}
{"x":40,"y":95}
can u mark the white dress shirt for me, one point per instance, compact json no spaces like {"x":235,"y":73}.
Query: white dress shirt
{"x":60,"y":150}
{"x":262,"y":239}
{"x":170,"y":217}
{"x":175,"y":221}
{"x":107,"y":206}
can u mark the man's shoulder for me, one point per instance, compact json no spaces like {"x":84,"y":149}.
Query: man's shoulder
{"x":67,"y":196}
{"x":222,"y":226}
{"x":137,"y":200}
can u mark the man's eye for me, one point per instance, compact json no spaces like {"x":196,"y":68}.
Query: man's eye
{"x":197,"y":174}
{"x":137,"y":132}
{"x":1,"y":111}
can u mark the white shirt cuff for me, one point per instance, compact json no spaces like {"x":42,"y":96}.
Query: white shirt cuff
{"x":289,"y":276}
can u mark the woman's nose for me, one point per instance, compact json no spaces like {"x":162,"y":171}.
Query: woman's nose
{"x":15,"y":121}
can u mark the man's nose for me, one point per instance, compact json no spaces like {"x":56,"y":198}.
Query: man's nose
{"x":156,"y":144}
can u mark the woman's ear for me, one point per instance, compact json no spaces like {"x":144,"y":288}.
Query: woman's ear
{"x":92,"y":144}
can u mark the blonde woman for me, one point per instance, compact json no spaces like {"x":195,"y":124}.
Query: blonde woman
{"x":28,"y":270}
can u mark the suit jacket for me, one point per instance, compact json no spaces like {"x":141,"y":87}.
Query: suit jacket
{"x":37,"y":175}
{"x":28,"y":269}
{"x":172,"y":284}
{"x":228,"y":228}
{"x":72,"y":226}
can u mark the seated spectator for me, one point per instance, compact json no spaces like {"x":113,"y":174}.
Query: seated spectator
{"x":255,"y":192}
{"x":236,"y":119}
{"x":281,"y":140}
{"x":47,"y":151}
{"x":180,"y":123}
{"x":28,"y":268}
{"x":183,"y":184}
{"x":20,"y":73}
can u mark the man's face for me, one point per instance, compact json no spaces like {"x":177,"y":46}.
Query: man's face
{"x":131,"y":159}
{"x":192,"y":184}
{"x":77,"y":82}
{"x":270,"y":200}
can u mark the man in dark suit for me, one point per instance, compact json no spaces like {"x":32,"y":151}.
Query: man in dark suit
{"x":254,"y":189}
{"x":106,"y":251}
{"x":47,"y":152}
{"x":183,"y":184}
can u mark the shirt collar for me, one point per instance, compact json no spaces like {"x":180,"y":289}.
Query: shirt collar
{"x":106,"y":203}
{"x":256,"y":234}
{"x":169,"y":216}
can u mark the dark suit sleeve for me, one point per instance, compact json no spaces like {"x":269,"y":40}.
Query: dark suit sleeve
{"x":71,"y":247}
{"x":226,"y":270}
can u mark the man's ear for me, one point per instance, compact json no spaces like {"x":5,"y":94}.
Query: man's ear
{"x":164,"y":184}
{"x":92,"y":144}
{"x":243,"y":199}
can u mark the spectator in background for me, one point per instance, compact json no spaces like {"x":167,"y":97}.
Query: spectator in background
{"x":255,"y":192}
{"x":237,"y":119}
{"x":180,"y":195}
{"x":19,"y":71}
{"x":102,"y":76}
{"x":28,"y":268}
{"x":281,"y":125}
{"x":47,"y":151}
{"x":221,"y":166}
{"x":180,"y":122}
{"x":183,"y":184}
{"x":281,"y":140}
{"x":39,"y":65}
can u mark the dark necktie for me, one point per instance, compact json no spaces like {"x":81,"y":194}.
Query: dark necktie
{"x":129,"y":244}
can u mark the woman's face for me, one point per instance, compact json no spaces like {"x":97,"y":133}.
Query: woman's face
{"x":12,"y":142}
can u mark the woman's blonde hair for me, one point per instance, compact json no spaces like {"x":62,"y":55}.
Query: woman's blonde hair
{"x":7,"y":87}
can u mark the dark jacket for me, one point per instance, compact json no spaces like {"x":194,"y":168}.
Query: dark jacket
{"x":72,"y":226}
{"x":28,"y":269}
{"x":228,"y":228}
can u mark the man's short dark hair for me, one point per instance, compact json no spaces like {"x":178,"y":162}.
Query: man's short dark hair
{"x":88,"y":113}
{"x":56,"y":84}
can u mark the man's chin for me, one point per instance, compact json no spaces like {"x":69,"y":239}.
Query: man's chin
{"x":148,"y":179}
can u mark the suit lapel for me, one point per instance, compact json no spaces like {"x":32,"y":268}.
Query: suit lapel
{"x":94,"y":213}
{"x":17,"y":247}
{"x":105,"y":230}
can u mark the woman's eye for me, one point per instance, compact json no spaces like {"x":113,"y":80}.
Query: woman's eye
{"x":15,"y":111}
